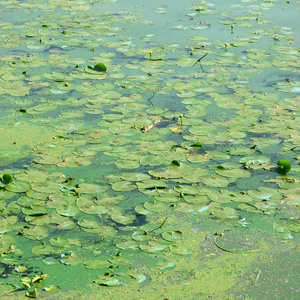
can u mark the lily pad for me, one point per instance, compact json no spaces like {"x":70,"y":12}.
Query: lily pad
{"x":59,"y":242}
{"x":172,"y":236}
{"x":18,"y":186}
{"x":35,"y":210}
{"x":107,"y":280}
{"x":96,"y":264}
{"x":156,"y":206}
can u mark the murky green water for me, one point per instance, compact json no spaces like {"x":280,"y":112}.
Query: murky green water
{"x":143,"y":141}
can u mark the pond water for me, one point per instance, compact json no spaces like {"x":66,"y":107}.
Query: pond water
{"x":149,"y":149}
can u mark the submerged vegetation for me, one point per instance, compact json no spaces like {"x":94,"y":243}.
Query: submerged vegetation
{"x":127,"y":171}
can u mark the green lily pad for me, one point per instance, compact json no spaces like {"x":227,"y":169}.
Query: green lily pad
{"x":233,"y":173}
{"x":172,"y":236}
{"x":186,"y":189}
{"x":141,"y":236}
{"x":107,"y":280}
{"x":72,"y":259}
{"x":179,"y":250}
{"x":125,"y":220}
{"x":59,"y":242}
{"x":34,"y":210}
{"x":266,"y":194}
{"x":35,"y":232}
{"x":240,"y":151}
{"x":237,"y":242}
{"x":122,"y":186}
{"x":49,"y":261}
{"x":96,"y":264}
{"x":18,"y":186}
{"x":225,"y":213}
{"x":41,"y":249}
{"x":129,"y":245}
{"x":68,"y":211}
{"x":156,"y":206}
{"x":120,"y":260}
{"x":154,"y":246}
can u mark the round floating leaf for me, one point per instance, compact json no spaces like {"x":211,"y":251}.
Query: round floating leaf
{"x":237,"y":242}
{"x":59,"y":242}
{"x":266,"y":194}
{"x":172,"y":236}
{"x":122,"y":186}
{"x":283,"y":166}
{"x":88,"y":188}
{"x":156,"y":206}
{"x":141,"y":236}
{"x":130,"y":245}
{"x":167,"y":198}
{"x":35,"y":233}
{"x":240,"y":151}
{"x":18,"y":186}
{"x":85,"y":223}
{"x":225,"y":213}
{"x":41,"y":249}
{"x":125,"y":220}
{"x":141,"y":210}
{"x":127,"y":164}
{"x":254,"y":160}
{"x":295,"y":226}
{"x":120,"y":260}
{"x":107,"y":280}
{"x":50,"y":261}
{"x":135,"y":176}
{"x":67,"y":211}
{"x":186,"y":189}
{"x":154,"y":246}
{"x":136,"y":275}
{"x":96,"y":264}
{"x":27,"y":201}
{"x":179,"y":250}
{"x":34,"y":210}
{"x":72,"y":259}
{"x":152,"y":184}
{"x":233,"y":173}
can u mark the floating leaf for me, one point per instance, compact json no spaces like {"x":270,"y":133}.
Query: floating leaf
{"x":156,"y":206}
{"x":123,"y":186}
{"x":72,"y":259}
{"x":179,"y":250}
{"x":34,"y":210}
{"x":172,"y":236}
{"x":96,"y":264}
{"x":59,"y":242}
{"x":35,"y":232}
{"x":120,"y":260}
{"x":18,"y":186}
{"x":107,"y":280}
{"x":125,"y":220}
{"x":130,"y":245}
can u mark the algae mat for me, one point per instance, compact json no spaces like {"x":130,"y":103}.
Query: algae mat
{"x":139,"y":150}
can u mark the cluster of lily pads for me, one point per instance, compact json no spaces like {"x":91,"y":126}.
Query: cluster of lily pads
{"x":122,"y":133}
